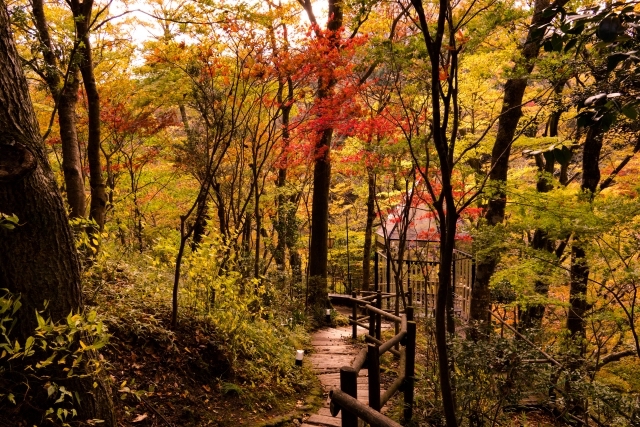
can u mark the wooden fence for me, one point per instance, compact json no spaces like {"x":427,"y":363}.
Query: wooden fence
{"x":422,"y":277}
{"x":345,"y":399}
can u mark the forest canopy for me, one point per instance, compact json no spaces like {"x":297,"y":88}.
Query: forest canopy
{"x":187,"y":187}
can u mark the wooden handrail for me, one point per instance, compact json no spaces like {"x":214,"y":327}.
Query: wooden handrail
{"x":346,"y":403}
{"x":383,"y":313}
{"x":395,"y":386}
{"x":373,"y":340}
{"x":393,"y":341}
{"x":346,"y":398}
{"x":376,"y":292}
{"x":360,"y":360}
{"x":363,"y":301}
{"x":355,"y":322}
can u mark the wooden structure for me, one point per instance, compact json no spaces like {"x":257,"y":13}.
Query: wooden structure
{"x":333,"y":349}
{"x":345,"y":399}
{"x":406,"y":257}
{"x":422,"y":277}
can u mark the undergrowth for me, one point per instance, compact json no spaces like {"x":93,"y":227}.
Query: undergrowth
{"x":236,"y":337}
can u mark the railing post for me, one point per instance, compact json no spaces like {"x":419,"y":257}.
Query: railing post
{"x":388,"y":277}
{"x":410,"y":297}
{"x":373,"y":363}
{"x":409,"y":369}
{"x":354,"y":314}
{"x":376,"y":280}
{"x":409,"y":312}
{"x":372,"y":323}
{"x":409,"y":275}
{"x":378,"y":317}
{"x":349,"y":385}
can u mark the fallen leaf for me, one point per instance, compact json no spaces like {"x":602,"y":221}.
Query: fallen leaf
{"x":140,"y":418}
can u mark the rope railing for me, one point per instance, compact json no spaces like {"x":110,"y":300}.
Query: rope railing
{"x":345,"y":399}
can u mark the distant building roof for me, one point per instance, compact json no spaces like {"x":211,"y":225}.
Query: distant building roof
{"x":423,"y":225}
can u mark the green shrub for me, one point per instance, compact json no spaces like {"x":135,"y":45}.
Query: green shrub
{"x":49,"y":360}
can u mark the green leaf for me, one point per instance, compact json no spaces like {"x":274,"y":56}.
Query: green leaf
{"x":556,"y":42}
{"x":615,"y":59}
{"x":29,"y":344}
{"x":630,"y":110}
{"x":609,"y":28}
{"x":548,"y":46}
{"x":16,"y":306}
{"x":562,"y":155}
{"x":570,"y":44}
{"x":608,"y":120}
{"x":578,"y":29}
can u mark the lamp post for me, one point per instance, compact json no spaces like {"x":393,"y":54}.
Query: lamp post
{"x":330,"y":242}
{"x":346,"y":215}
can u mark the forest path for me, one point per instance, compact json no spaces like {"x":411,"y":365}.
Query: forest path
{"x":334,"y":349}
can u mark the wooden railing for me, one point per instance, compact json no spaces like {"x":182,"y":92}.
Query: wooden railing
{"x":422,"y":277}
{"x":345,"y":399}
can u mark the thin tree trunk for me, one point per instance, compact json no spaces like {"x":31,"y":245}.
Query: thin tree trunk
{"x":510,"y":116}
{"x":368,"y":233}
{"x":82,"y":16}
{"x":533,"y":314}
{"x":65,"y":95}
{"x":256,"y":213}
{"x":222,"y":217}
{"x":38,"y":259}
{"x":579,"y":266}
{"x":71,"y":163}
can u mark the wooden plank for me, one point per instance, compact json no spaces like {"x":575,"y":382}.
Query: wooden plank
{"x":325,"y":411}
{"x":324,"y":420}
{"x":333,"y":349}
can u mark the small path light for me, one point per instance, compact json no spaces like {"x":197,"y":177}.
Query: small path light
{"x":299,"y":356}
{"x":328,"y":315}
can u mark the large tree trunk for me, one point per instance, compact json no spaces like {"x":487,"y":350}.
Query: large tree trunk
{"x":65,"y":95}
{"x":82,"y":16}
{"x":510,"y":116}
{"x":38,"y":259}
{"x":318,"y":251}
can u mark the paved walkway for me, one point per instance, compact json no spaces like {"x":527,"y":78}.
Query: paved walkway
{"x":333,"y":349}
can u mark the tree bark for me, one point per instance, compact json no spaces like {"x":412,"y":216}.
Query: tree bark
{"x":368,"y":233}
{"x":579,"y":270}
{"x":318,"y":251}
{"x":510,"y":116}
{"x":444,"y":122}
{"x":38,"y":259}
{"x":533,"y":314}
{"x":82,"y":16}
{"x":65,"y":95}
